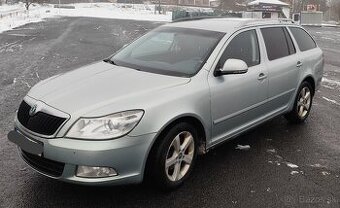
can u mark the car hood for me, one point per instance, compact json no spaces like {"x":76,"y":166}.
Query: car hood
{"x":100,"y":84}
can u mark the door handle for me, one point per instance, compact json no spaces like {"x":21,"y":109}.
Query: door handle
{"x":261,"y":76}
{"x":299,"y":64}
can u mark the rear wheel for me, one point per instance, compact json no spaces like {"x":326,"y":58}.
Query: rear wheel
{"x":302,"y":104}
{"x":172,"y":160}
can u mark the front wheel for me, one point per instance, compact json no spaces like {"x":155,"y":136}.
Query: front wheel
{"x":302,"y":104}
{"x":173,"y":157}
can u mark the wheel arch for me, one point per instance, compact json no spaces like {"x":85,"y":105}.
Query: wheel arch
{"x":190,"y":118}
{"x":311,"y":81}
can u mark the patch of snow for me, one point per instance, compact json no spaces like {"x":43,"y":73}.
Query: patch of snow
{"x":325,"y":173}
{"x":328,"y":87}
{"x":330,"y":81}
{"x":326,"y":38}
{"x":274,"y":162}
{"x":278,"y":157}
{"x":294,"y":172}
{"x":28,"y":85}
{"x":271,"y":151}
{"x":20,"y":35}
{"x":330,"y":100}
{"x":291,"y":165}
{"x":329,"y":25}
{"x":242,"y":147}
{"x":317,"y":165}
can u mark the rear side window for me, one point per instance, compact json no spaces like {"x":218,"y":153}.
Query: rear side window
{"x":303,"y":39}
{"x":278,"y":44}
{"x":245,"y":47}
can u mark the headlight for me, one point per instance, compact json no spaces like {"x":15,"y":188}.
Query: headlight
{"x":106,"y":127}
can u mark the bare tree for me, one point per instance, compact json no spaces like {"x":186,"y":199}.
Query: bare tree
{"x":29,"y":2}
{"x":231,"y":5}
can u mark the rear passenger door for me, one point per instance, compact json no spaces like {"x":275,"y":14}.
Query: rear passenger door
{"x":283,"y":67}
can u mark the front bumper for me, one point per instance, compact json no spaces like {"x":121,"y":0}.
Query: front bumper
{"x":127,"y":155}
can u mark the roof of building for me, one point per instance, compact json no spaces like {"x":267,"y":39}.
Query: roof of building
{"x":275,"y":2}
{"x":226,"y":25}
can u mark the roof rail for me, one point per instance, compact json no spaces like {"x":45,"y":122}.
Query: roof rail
{"x":196,"y":18}
{"x":252,"y":22}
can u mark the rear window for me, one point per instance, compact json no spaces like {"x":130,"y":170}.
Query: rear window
{"x":303,"y":39}
{"x":277,"y":42}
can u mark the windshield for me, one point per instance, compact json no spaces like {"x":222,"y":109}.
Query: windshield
{"x":169,"y":50}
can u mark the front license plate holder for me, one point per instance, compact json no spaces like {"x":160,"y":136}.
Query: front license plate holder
{"x":25,"y":143}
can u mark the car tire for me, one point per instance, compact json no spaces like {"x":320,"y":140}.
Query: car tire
{"x":173,"y":157}
{"x":302,"y":104}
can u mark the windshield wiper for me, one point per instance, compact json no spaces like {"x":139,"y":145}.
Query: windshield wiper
{"x":109,"y":61}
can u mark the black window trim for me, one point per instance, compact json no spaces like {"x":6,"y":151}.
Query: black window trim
{"x":286,"y":32}
{"x":229,"y":39}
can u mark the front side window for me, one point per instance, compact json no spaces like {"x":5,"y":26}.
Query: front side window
{"x":303,"y":39}
{"x":245,"y":47}
{"x":170,"y":51}
{"x":276,"y":42}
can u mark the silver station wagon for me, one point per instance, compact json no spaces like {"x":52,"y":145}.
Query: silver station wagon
{"x":146,"y":112}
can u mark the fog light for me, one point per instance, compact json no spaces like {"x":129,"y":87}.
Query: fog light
{"x":95,"y":172}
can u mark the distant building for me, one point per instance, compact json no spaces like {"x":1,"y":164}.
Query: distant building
{"x":270,"y":8}
{"x":214,"y":3}
{"x":193,"y":2}
{"x":199,"y":3}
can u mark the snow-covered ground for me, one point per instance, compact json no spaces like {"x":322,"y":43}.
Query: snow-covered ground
{"x":116,"y":11}
{"x":12,"y":16}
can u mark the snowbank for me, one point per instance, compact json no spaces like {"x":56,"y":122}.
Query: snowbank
{"x":16,"y":15}
{"x":116,"y":11}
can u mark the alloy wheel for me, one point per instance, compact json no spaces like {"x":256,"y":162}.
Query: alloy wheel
{"x":304,"y":102}
{"x":180,"y":156}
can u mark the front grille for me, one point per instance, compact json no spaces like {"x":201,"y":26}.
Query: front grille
{"x":41,"y":123}
{"x":49,"y":167}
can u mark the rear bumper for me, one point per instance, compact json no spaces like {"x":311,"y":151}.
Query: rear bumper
{"x":127,"y":155}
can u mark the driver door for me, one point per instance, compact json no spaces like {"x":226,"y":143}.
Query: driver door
{"x":237,"y":99}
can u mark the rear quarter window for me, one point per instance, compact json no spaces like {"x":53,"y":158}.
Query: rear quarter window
{"x":303,"y":39}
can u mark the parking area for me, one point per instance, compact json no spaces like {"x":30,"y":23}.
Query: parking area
{"x":286,"y":165}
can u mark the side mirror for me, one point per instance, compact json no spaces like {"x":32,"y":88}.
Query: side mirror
{"x":232,"y":66}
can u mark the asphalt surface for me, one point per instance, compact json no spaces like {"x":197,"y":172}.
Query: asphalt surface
{"x":286,"y":165}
